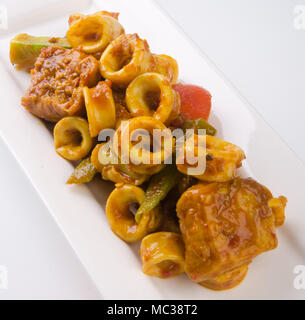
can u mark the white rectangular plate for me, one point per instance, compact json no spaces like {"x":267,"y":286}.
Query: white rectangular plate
{"x":79,"y":210}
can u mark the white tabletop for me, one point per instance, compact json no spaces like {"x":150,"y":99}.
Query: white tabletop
{"x":254,"y":43}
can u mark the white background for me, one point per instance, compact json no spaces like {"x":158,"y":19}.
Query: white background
{"x":253,"y":42}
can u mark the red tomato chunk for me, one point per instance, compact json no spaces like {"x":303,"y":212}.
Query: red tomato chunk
{"x":195,"y":101}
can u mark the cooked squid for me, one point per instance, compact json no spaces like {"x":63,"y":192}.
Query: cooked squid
{"x":162,"y":254}
{"x":93,"y":33}
{"x":132,"y":143}
{"x":115,"y":172}
{"x":222,"y":158}
{"x":121,"y":218}
{"x":100,"y":107}
{"x":72,"y":138}
{"x":151,"y":94}
{"x":125,"y":58}
{"x":167,"y":66}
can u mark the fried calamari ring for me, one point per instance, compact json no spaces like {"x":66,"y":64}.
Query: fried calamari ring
{"x":143,"y":160}
{"x":121,"y":218}
{"x":227,"y":280}
{"x":72,"y":138}
{"x":74,"y":17}
{"x":100,"y":107}
{"x":121,"y":173}
{"x":117,"y":173}
{"x":151,"y":94}
{"x":162,"y":254}
{"x":167,"y":66}
{"x":222,"y":158}
{"x":125,"y":58}
{"x":93,"y":33}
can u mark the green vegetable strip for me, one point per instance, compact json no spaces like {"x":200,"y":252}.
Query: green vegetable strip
{"x":200,"y":124}
{"x":158,"y":188}
{"x":83,"y":173}
{"x":24,"y":49}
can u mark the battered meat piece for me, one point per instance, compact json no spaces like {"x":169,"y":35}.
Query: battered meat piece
{"x":56,"y":83}
{"x":224,"y":226}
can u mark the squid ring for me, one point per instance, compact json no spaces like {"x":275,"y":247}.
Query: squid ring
{"x":125,"y":58}
{"x":167,"y":66}
{"x":151,"y":94}
{"x":72,"y":138}
{"x":143,"y":161}
{"x":94,"y":158}
{"x":100,"y":107}
{"x":222,"y":158}
{"x":162,"y":254}
{"x":121,"y":173}
{"x":227,"y":280}
{"x":117,"y":173}
{"x":121,"y":218}
{"x":92,"y":33}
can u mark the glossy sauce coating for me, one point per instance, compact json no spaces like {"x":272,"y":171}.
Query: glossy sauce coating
{"x":121,"y":218}
{"x":224,"y":226}
{"x":57,"y":81}
{"x":100,"y":107}
{"x":162,"y":254}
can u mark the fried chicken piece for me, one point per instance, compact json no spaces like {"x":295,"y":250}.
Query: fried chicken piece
{"x":224,"y":226}
{"x":57,"y":82}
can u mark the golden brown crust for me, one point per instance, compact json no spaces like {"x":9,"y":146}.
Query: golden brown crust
{"x":56,"y":83}
{"x":224,"y":226}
